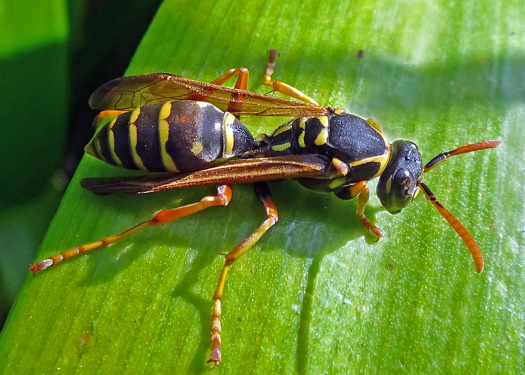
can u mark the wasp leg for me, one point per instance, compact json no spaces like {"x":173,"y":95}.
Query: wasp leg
{"x":242,"y":79}
{"x":223,"y":197}
{"x":263,"y":193}
{"x":105,"y":114}
{"x":362,"y":192}
{"x":282,"y":87}
{"x":241,"y":83}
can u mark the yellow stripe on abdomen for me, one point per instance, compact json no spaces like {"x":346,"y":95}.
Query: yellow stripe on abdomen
{"x":164,"y":133}
{"x":228,"y":135}
{"x":111,"y":143}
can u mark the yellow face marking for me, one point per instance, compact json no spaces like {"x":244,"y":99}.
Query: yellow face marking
{"x":164,"y":132}
{"x":229,"y":137}
{"x":111,"y":142}
{"x":197,"y":148}
{"x":281,"y":147}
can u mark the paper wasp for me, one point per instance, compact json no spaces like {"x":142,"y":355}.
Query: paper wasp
{"x":191,"y":131}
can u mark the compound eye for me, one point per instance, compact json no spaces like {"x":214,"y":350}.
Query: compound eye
{"x":404,"y":188}
{"x":398,"y":191}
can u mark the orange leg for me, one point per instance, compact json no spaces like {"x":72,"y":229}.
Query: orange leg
{"x":242,"y":79}
{"x":223,"y":197}
{"x":282,"y":87}
{"x":241,"y":83}
{"x":263,"y":193}
{"x":458,"y":227}
{"x":362,"y":192}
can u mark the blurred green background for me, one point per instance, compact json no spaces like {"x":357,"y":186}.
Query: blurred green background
{"x":53,"y":54}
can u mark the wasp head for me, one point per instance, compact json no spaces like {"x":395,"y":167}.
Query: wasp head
{"x":398,"y":183}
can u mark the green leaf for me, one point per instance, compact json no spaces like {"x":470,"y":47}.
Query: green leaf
{"x":33,"y":118}
{"x":315,"y":295}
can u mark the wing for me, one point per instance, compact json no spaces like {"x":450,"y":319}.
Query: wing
{"x":127,"y":93}
{"x":229,"y":173}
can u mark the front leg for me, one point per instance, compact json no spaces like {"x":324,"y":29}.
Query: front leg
{"x":362,"y":192}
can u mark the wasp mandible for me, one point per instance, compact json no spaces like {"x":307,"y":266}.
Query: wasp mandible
{"x":191,"y":131}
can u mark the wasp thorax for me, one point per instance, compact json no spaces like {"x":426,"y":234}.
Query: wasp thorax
{"x":397,"y":185}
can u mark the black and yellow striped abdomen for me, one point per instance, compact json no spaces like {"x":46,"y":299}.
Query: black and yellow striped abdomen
{"x":176,"y":136}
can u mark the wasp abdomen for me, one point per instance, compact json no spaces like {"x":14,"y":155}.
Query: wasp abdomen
{"x":176,"y":136}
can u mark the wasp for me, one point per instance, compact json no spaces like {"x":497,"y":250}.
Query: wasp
{"x":191,"y":134}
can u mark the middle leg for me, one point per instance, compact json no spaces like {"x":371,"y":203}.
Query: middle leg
{"x":263,"y":194}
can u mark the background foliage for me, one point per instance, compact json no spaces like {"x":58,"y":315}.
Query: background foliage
{"x":53,"y":48}
{"x":315,"y":295}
